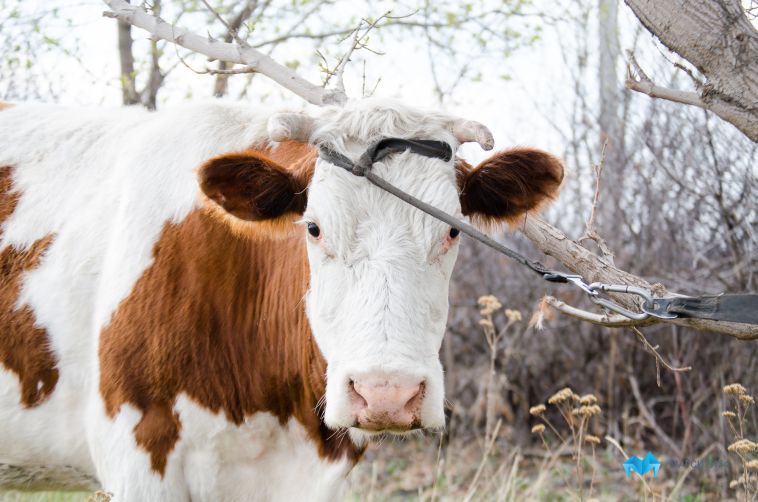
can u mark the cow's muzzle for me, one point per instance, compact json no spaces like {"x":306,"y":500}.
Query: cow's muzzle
{"x":386,"y":402}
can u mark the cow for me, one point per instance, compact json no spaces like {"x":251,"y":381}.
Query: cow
{"x":196,"y":305}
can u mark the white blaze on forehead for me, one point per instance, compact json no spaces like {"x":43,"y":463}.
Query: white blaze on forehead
{"x":359,"y":219}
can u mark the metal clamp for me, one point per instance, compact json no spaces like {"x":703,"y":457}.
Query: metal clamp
{"x":650,"y":306}
{"x":574,"y":279}
{"x":615,"y":307}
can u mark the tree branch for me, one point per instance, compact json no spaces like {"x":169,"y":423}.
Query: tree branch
{"x":609,"y":321}
{"x":638,"y":81}
{"x":593,"y":268}
{"x":718,"y":39}
{"x":223,"y":51}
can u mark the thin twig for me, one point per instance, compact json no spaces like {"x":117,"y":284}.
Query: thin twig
{"x":648,"y":416}
{"x":611,"y":321}
{"x":360,"y":41}
{"x":229,"y":29}
{"x":619,"y":448}
{"x":657,"y":355}
{"x":590,"y":232}
{"x":485,"y":456}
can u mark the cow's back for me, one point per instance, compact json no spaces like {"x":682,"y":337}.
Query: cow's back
{"x":49,"y":265}
{"x":84,"y":195}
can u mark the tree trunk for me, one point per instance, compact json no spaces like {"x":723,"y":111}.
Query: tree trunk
{"x":609,"y":120}
{"x":126,"y":58}
{"x":155,"y":79}
{"x":717,"y":38}
{"x":220,"y":85}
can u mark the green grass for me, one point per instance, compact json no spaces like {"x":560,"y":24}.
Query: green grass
{"x":18,"y":496}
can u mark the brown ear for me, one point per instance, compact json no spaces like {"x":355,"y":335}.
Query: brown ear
{"x":252,"y":187}
{"x":508,"y":184}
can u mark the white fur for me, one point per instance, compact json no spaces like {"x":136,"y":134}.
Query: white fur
{"x":380,"y":272}
{"x":105,"y":182}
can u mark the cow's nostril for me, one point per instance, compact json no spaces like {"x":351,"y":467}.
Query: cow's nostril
{"x":414,"y":403}
{"x":355,"y":397}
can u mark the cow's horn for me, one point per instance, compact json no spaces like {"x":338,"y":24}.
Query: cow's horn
{"x":466,"y":131}
{"x":290,"y":125}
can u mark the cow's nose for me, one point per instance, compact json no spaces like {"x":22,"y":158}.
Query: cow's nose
{"x":386,"y":403}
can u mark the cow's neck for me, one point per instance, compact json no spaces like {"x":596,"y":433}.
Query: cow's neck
{"x":220,"y":317}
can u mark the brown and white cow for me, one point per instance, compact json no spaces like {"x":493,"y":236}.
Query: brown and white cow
{"x":195,"y":306}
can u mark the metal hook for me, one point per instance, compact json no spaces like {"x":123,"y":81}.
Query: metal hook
{"x":615,"y":307}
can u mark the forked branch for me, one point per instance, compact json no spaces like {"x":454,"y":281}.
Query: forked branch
{"x":234,"y":53}
{"x":718,"y":39}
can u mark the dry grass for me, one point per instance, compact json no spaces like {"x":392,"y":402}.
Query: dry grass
{"x":415,"y":470}
{"x":740,"y":403}
{"x":422,"y":469}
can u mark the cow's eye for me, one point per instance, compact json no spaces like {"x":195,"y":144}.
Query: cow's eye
{"x":314,"y":230}
{"x":454,"y":232}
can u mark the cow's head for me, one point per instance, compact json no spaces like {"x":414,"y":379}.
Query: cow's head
{"x":379,"y":268}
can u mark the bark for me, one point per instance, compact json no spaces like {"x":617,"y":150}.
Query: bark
{"x":717,"y":38}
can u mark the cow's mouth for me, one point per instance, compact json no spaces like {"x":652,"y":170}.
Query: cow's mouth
{"x":374,"y":428}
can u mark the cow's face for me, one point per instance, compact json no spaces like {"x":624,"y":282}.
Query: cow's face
{"x":380,"y":268}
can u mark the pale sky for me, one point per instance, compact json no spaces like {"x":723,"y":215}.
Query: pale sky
{"x":524,"y":110}
{"x":518,"y":111}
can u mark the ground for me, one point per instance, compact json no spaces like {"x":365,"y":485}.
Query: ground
{"x":418,"y":469}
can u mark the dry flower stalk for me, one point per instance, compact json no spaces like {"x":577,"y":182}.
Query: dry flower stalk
{"x":537,"y":410}
{"x":742,"y":447}
{"x":735,"y":389}
{"x":577,"y":412}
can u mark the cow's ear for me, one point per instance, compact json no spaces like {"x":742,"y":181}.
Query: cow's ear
{"x":507,"y":185}
{"x":252,"y":187}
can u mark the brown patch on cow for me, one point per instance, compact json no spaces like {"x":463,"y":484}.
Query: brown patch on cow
{"x":24,"y":347}
{"x":219,"y":317}
{"x":508,"y":184}
{"x":4,"y":105}
{"x":157,"y":432}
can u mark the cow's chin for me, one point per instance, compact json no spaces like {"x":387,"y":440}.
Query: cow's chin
{"x":362,"y":437}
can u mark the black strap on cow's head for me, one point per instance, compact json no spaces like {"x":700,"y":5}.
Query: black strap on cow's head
{"x":379,"y":150}
{"x":735,"y":308}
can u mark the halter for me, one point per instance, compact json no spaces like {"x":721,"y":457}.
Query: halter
{"x":734,"y":308}
{"x":383,"y":148}
{"x":428,"y":148}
